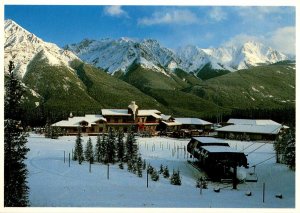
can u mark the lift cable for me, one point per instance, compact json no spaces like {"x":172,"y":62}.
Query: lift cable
{"x":264,"y":161}
{"x":248,"y":146}
{"x":256,"y":148}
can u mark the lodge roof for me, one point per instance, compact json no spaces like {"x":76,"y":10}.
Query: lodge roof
{"x":261,"y":129}
{"x":121,"y":112}
{"x":253,"y":121}
{"x":149,"y":112}
{"x":192,"y":121}
{"x":75,"y":121}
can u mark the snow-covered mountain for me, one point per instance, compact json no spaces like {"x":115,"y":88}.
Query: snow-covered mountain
{"x":119,"y":55}
{"x":230,"y":58}
{"x":21,"y":47}
{"x":114,"y":55}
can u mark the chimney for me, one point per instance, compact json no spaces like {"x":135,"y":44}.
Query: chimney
{"x":132,"y":109}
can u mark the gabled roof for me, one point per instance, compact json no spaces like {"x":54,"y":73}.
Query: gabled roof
{"x":192,"y":121}
{"x":75,"y":121}
{"x":220,"y":149}
{"x":120,"y":112}
{"x":165,"y":117}
{"x":209,"y":140}
{"x":149,"y":112}
{"x":171,"y":123}
{"x":253,"y":121}
{"x":262,"y":129}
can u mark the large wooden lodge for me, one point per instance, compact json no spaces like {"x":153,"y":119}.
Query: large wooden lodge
{"x":153,"y":122}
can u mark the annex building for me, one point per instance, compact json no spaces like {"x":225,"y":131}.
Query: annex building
{"x":250,"y":129}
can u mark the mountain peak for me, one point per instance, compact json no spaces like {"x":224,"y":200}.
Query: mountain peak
{"x":21,"y":46}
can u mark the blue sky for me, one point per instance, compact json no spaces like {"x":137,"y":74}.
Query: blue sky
{"x":173,"y":26}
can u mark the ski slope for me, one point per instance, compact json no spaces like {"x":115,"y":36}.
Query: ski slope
{"x":54,"y":184}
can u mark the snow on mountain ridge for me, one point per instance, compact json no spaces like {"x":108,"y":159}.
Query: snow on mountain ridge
{"x":118,"y":55}
{"x":21,"y":46}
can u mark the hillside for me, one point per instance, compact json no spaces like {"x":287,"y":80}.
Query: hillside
{"x":258,"y":87}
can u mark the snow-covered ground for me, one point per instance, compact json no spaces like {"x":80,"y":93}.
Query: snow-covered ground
{"x":53,"y":183}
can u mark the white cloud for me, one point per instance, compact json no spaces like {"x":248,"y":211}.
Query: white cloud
{"x":115,"y":10}
{"x":284,"y":40}
{"x":217,"y":14}
{"x":170,"y":17}
{"x":262,"y":12}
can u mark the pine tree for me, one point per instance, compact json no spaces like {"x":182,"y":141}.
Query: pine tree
{"x":88,"y":152}
{"x":55,"y":131}
{"x":285,"y":148}
{"x":139,"y":165}
{"x":103,"y":148}
{"x":166,"y":173}
{"x":15,"y":150}
{"x":289,"y":151}
{"x":131,"y":146}
{"x":48,"y":129}
{"x":111,"y":147}
{"x":120,"y":147}
{"x":129,"y":166}
{"x":154,"y":175}
{"x":78,"y":152}
{"x":175,"y":178}
{"x":98,"y":154}
{"x":161,"y":169}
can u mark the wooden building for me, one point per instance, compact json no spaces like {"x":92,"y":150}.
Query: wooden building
{"x":216,"y":157}
{"x":89,"y":124}
{"x":250,"y":129}
{"x":116,"y":119}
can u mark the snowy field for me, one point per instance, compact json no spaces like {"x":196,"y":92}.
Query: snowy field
{"x":54,"y":184}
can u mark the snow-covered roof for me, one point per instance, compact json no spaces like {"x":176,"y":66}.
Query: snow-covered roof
{"x":172,"y":123}
{"x":75,"y":121}
{"x":121,"y":112}
{"x":218,"y":149}
{"x":193,"y":121}
{"x":209,"y":140}
{"x":149,"y":112}
{"x":253,"y":121}
{"x":165,"y":117}
{"x":263,"y":129}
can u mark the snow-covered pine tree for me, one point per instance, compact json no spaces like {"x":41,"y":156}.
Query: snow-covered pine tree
{"x":161,"y":169}
{"x":139,"y":165}
{"x":131,"y":146}
{"x":55,"y":131}
{"x":129,"y":166}
{"x":88,"y":152}
{"x":285,"y":148}
{"x":175,"y":178}
{"x":290,"y":151}
{"x":120,"y":146}
{"x":166,"y":173}
{"x":78,"y":152}
{"x":103,"y":148}
{"x":111,"y":147}
{"x":15,"y":150}
{"x":48,"y":132}
{"x":98,"y":149}
{"x":154,"y":175}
